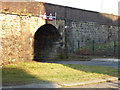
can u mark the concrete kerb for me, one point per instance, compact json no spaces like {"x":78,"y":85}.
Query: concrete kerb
{"x":89,"y":82}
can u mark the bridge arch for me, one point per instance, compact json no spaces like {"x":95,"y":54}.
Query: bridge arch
{"x":45,"y":39}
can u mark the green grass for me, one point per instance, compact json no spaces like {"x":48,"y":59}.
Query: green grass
{"x":33,"y":72}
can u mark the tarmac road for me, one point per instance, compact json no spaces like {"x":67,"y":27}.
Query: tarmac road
{"x":93,"y":63}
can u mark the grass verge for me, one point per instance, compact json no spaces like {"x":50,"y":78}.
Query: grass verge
{"x":34,"y":72}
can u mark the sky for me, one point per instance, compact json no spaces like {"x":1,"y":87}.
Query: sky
{"x":104,"y":6}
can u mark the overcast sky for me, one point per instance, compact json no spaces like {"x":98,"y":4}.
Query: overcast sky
{"x":105,"y":6}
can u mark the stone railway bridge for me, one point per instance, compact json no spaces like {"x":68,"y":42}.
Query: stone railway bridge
{"x":26,"y":36}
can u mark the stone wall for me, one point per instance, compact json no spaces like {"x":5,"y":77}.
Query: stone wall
{"x":86,"y":32}
{"x":17,"y":37}
{"x":17,"y":41}
{"x":20,"y":20}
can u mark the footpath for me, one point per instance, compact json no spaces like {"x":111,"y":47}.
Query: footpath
{"x":56,"y":85}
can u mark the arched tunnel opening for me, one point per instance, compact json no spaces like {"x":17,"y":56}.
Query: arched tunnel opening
{"x":44,"y":40}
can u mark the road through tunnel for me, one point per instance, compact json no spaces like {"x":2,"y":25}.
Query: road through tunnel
{"x":45,"y":39}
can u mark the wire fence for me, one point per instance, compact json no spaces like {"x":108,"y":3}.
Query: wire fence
{"x":95,"y":48}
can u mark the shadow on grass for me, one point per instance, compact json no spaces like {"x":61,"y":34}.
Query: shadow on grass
{"x":12,"y":76}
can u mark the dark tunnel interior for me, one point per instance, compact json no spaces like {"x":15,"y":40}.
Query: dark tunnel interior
{"x":44,"y":39}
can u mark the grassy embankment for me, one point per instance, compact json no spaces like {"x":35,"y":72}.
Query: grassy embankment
{"x":34,"y":72}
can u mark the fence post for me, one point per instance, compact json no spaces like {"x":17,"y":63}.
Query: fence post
{"x":73,"y":46}
{"x":114,"y":47}
{"x":93,"y":47}
{"x":78,"y":46}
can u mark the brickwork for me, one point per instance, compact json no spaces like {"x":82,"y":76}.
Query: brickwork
{"x":33,"y":8}
{"x":24,"y":8}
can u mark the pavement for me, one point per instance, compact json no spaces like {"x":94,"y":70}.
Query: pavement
{"x":35,"y":85}
{"x":110,"y":85}
{"x":104,"y":83}
{"x":72,"y":85}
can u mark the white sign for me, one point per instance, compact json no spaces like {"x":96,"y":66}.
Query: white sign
{"x":50,"y":17}
{"x":45,"y":16}
{"x":65,"y":26}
